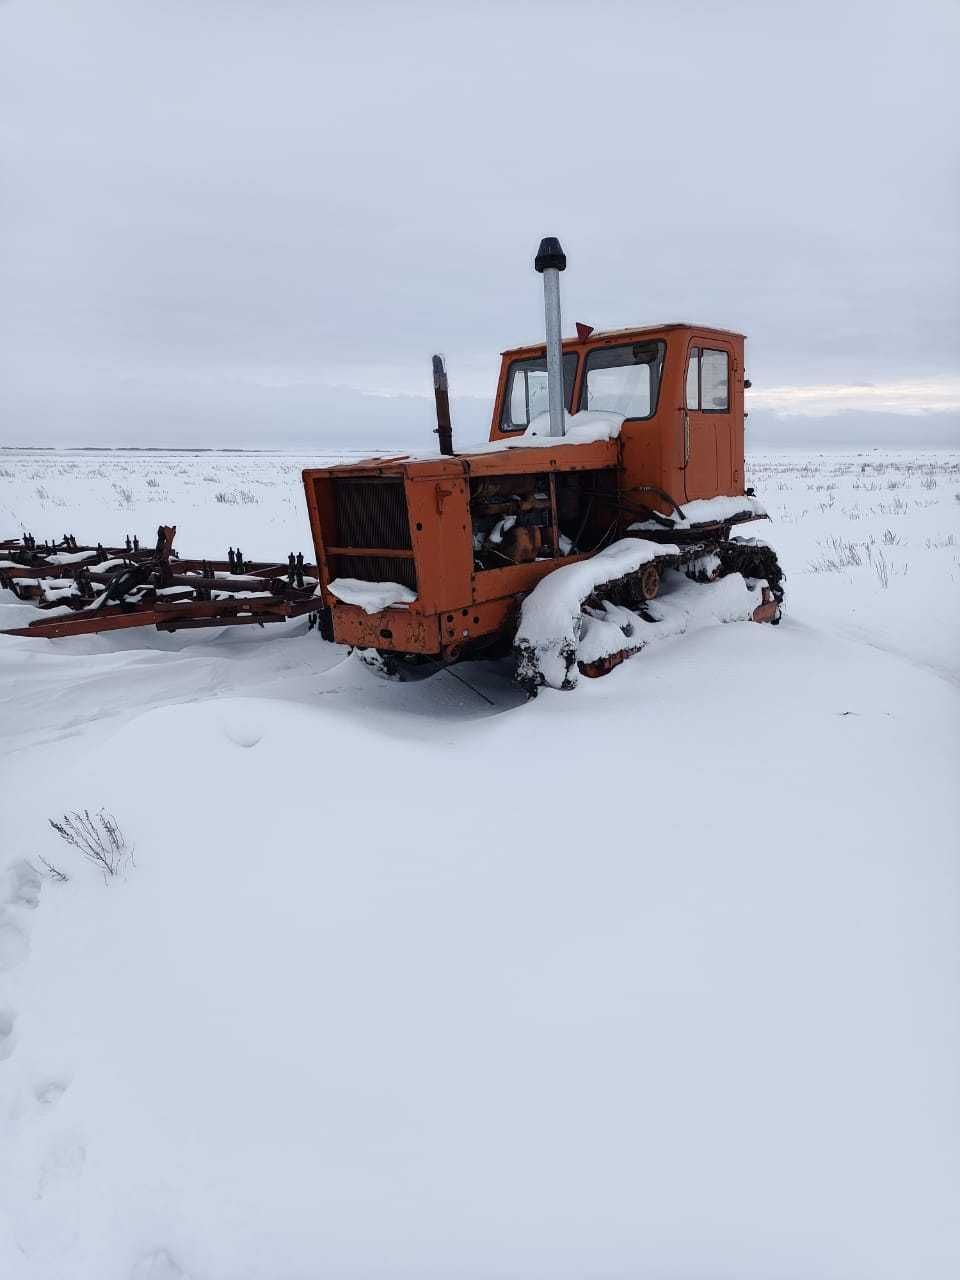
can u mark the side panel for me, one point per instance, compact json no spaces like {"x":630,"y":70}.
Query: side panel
{"x":737,"y":425}
{"x":653,"y":449}
{"x":440,"y":532}
{"x":713,"y":466}
{"x":517,"y":579}
{"x":649,"y":450}
{"x":460,"y":626}
{"x":401,"y":630}
{"x":321,"y":515}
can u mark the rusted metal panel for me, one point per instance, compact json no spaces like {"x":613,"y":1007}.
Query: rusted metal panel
{"x":397,"y":630}
{"x":517,"y":579}
{"x":441,"y":534}
{"x":460,"y":628}
{"x":320,"y":512}
{"x":562,"y":457}
{"x":144,"y":590}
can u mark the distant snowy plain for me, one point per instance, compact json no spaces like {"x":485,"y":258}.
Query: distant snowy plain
{"x":655,"y":978}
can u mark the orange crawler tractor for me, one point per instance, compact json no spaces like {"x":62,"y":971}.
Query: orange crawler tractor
{"x":602,"y":507}
{"x":599,"y":516}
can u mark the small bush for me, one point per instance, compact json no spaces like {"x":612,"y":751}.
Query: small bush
{"x":235,"y":496}
{"x":98,"y":837}
{"x":838,"y":555}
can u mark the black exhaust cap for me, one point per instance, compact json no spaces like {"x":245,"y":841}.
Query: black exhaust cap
{"x":550,"y":254}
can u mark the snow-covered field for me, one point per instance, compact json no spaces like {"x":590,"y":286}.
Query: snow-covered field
{"x":656,"y":978}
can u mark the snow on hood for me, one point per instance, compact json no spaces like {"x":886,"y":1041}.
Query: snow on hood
{"x":585,"y":427}
{"x":708,"y":510}
{"x":550,"y":614}
{"x":372,"y":597}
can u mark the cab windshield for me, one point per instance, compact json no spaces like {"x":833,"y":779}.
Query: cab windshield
{"x":624,"y":380}
{"x":527,"y":390}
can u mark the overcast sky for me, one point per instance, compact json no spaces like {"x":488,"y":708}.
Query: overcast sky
{"x":223,"y":219}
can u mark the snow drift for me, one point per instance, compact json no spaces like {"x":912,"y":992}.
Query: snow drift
{"x":418,"y":980}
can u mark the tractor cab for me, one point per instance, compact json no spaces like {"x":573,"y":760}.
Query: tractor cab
{"x":678,"y":387}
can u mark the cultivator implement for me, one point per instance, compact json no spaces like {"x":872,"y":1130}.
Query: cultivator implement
{"x":83,"y":588}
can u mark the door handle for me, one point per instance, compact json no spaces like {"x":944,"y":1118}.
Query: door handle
{"x":686,"y":437}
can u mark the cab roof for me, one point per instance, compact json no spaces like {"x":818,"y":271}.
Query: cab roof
{"x":613,"y":335}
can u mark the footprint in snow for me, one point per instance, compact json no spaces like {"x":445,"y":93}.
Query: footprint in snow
{"x":20,"y":885}
{"x":23,"y":884}
{"x":13,"y":942}
{"x":48,"y":1092}
{"x":62,"y":1164}
{"x":7,"y":1019}
{"x":241,"y":730}
{"x":158,"y":1264}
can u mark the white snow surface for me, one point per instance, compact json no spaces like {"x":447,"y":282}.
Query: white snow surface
{"x":680,"y":606}
{"x":585,"y":427}
{"x":655,"y":978}
{"x":706,"y":510}
{"x":371,"y":596}
{"x":71,"y":557}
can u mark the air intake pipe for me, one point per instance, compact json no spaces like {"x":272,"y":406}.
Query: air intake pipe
{"x":550,"y":261}
{"x":444,"y":428}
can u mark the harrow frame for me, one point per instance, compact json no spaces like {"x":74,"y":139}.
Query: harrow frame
{"x":112,"y":588}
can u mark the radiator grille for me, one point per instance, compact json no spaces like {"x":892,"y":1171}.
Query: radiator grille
{"x":376,"y":569}
{"x":372,"y":512}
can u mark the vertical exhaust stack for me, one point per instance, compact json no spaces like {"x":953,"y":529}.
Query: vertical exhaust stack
{"x":550,"y":261}
{"x":444,"y":429}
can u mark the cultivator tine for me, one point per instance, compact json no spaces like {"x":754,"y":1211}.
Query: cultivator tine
{"x":136,"y":587}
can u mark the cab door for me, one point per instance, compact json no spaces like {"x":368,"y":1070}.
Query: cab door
{"x":708,"y":418}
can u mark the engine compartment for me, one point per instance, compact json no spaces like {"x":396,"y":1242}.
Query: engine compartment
{"x":518,"y":519}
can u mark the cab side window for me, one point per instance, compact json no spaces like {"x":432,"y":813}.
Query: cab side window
{"x":708,"y":380}
{"x":526,"y":396}
{"x":693,"y":378}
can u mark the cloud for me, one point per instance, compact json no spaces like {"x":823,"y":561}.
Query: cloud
{"x":315,"y":194}
{"x":844,"y":429}
{"x":908,"y":396}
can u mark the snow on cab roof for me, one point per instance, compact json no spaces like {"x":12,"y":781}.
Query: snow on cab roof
{"x":631,"y":331}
